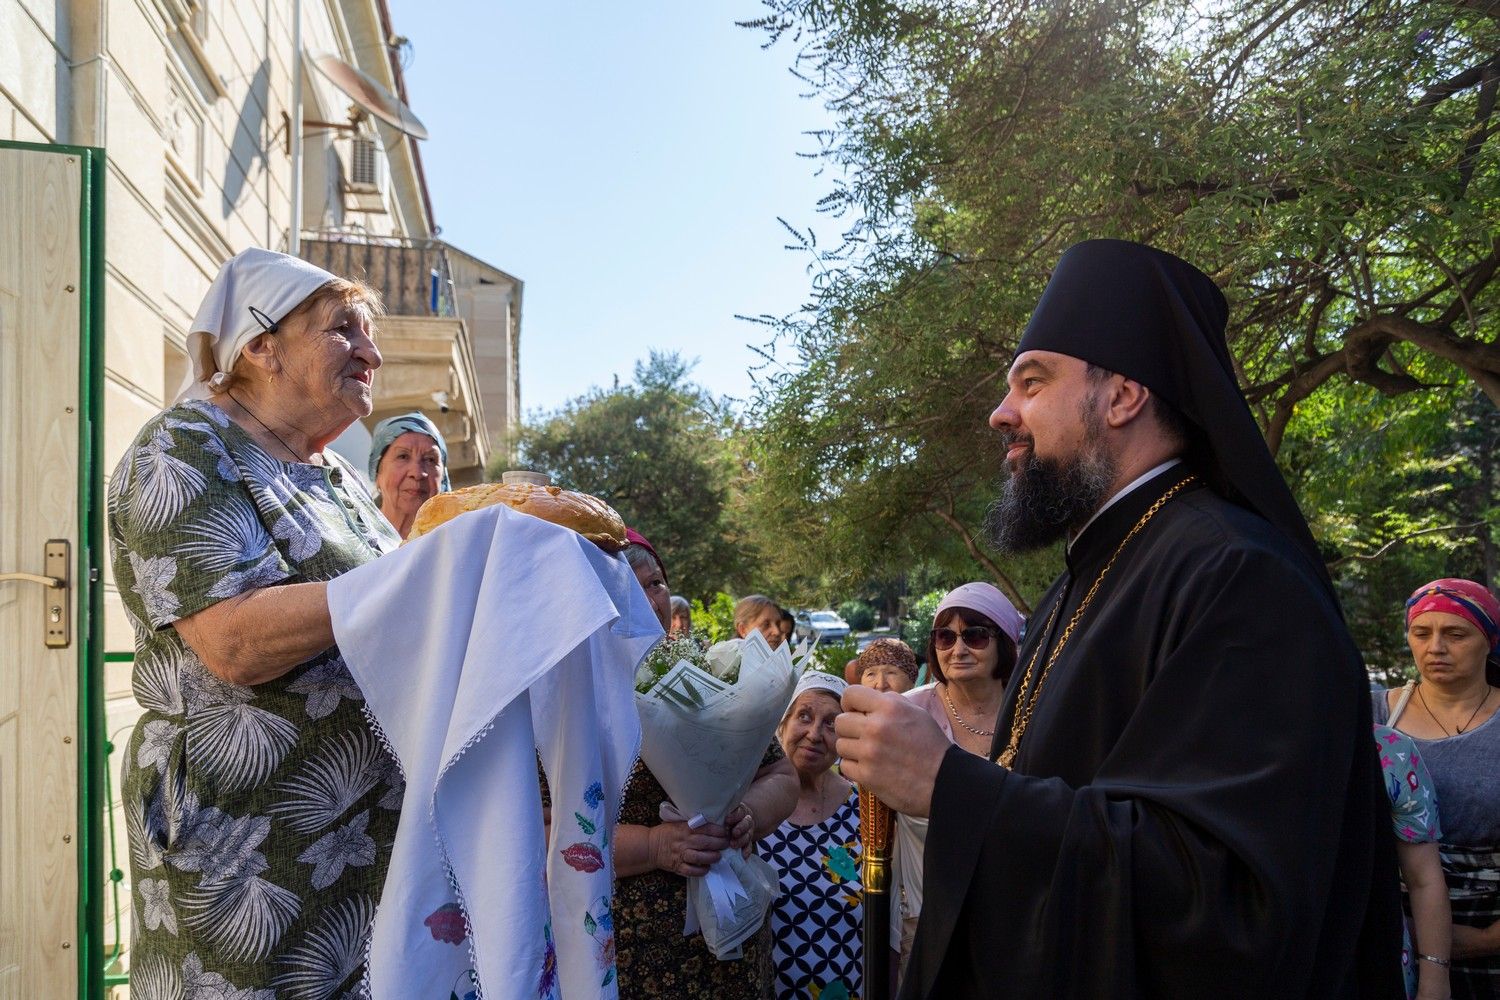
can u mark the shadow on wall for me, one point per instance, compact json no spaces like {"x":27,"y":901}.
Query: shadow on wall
{"x":249,"y":138}
{"x":64,"y":128}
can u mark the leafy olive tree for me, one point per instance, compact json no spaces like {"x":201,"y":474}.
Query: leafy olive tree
{"x":1332,"y":164}
{"x":659,"y":451}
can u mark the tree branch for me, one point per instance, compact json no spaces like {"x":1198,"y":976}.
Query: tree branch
{"x":1275,"y":193}
{"x":1299,"y":388}
{"x":1440,"y":92}
{"x":1482,"y":113}
{"x":1479,"y":276}
{"x":980,"y":556}
{"x":1371,"y":556}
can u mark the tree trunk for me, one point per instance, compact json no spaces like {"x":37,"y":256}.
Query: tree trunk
{"x":1487,"y":488}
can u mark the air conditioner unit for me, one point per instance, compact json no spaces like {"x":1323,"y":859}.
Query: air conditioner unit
{"x":366,"y":176}
{"x":367,"y":172}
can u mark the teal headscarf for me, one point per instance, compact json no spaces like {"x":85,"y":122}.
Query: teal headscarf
{"x":389,"y":429}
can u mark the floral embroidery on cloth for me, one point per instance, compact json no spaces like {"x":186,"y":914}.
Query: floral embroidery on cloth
{"x":585,"y":855}
{"x":480,"y":701}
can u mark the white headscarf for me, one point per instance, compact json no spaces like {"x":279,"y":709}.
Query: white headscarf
{"x":815,"y":680}
{"x":255,"y":290}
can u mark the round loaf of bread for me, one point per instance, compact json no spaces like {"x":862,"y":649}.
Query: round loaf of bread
{"x":589,"y":516}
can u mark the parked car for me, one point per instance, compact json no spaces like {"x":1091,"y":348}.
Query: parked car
{"x":821,"y":626}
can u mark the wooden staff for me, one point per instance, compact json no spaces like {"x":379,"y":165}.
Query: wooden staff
{"x":876,"y":826}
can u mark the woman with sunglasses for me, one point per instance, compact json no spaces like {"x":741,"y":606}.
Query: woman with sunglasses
{"x":971,"y":652}
{"x":1453,"y":629}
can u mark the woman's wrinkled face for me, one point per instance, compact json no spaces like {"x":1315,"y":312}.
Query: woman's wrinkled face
{"x":807,"y":734}
{"x":329,"y":360}
{"x":655,"y":585}
{"x":682,"y":623}
{"x":1447,"y":648}
{"x":885,"y":677}
{"x":768,"y":621}
{"x":960,"y":663}
{"x":410,"y":472}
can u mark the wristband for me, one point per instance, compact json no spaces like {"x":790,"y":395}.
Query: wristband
{"x":1441,"y":963}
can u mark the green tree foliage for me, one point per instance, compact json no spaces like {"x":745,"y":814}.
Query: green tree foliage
{"x":859,"y":615}
{"x":833,"y":657}
{"x":1331,"y":164}
{"x":713,"y":621}
{"x":1404,"y":492}
{"x":658,"y":450}
{"x":918,"y":621}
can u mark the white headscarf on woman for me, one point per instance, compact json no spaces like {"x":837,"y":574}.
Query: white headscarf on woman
{"x":254,"y":291}
{"x":815,"y":680}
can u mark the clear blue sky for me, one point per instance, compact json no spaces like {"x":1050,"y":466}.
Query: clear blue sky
{"x":628,"y":162}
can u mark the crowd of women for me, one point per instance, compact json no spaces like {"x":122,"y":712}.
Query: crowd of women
{"x":258,"y":799}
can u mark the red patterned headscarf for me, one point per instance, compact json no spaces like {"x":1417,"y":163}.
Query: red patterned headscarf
{"x":631,"y":535}
{"x":1465,"y":598}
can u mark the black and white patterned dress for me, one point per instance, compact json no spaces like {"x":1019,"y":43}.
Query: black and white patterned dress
{"x":817,"y":921}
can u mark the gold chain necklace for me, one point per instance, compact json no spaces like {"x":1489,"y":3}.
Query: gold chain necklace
{"x":1027,"y":699}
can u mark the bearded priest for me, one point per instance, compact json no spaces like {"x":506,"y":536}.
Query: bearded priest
{"x":1182,"y":798}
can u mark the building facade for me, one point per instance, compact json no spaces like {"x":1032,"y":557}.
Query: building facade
{"x":221,"y":132}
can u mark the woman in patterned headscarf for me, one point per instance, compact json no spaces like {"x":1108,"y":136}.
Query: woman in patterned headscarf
{"x":817,"y":923}
{"x":1453,"y":629}
{"x":261,"y":808}
{"x":885,"y":665}
{"x":408,"y":465}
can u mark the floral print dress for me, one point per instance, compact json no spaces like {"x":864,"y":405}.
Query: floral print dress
{"x":260,"y":817}
{"x":1413,"y":814}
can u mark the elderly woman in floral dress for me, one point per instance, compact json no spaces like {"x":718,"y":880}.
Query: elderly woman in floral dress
{"x":261,"y":809}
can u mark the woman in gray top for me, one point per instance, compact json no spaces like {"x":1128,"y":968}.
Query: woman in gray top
{"x":1453,"y":629}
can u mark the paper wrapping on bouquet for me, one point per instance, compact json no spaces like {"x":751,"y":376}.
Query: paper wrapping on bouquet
{"x":494,"y":639}
{"x":704,"y":738}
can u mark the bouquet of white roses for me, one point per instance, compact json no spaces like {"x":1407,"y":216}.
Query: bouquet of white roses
{"x":707,"y":717}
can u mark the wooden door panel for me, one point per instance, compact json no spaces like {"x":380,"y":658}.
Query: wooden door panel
{"x":40,"y":292}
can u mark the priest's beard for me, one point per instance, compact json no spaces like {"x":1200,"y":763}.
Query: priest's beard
{"x":1044,"y":498}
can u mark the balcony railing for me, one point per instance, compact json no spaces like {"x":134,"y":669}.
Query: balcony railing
{"x":411,"y":275}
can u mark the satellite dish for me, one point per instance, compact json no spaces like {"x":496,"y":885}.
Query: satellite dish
{"x":369,"y":95}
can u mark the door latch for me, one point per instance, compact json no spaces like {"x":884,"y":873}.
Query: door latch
{"x":57,"y":618}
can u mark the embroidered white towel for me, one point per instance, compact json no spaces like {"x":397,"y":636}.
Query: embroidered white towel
{"x":496,"y":638}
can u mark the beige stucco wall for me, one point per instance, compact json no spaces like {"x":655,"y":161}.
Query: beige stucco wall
{"x":489,"y":300}
{"x":194,"y":124}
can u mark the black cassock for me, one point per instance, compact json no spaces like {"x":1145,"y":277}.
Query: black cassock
{"x":1196,"y":809}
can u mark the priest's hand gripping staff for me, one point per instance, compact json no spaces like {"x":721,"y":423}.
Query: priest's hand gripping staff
{"x":876,"y":825}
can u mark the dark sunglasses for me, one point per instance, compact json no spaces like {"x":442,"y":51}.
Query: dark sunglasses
{"x":976,"y":637}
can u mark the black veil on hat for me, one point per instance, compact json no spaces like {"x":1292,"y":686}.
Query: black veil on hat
{"x":1158,"y":320}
